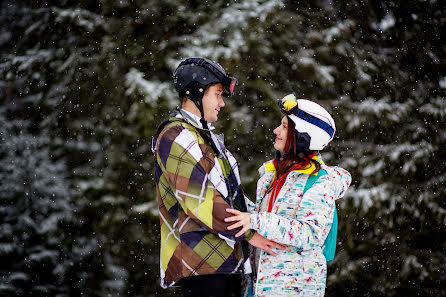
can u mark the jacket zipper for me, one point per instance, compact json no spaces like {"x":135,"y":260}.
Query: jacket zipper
{"x":272,"y":207}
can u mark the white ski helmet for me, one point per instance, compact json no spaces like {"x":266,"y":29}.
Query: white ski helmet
{"x":315,"y":127}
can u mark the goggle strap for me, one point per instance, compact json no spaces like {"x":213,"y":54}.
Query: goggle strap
{"x":295,"y":110}
{"x":315,"y":121}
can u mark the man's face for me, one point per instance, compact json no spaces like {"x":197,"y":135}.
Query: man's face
{"x":212,"y":102}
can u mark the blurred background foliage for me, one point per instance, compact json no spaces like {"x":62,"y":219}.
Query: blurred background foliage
{"x":83,"y":85}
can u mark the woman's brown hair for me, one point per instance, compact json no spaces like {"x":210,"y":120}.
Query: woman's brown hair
{"x":292,"y":156}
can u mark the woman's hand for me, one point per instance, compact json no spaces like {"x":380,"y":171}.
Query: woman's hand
{"x":242,"y":219}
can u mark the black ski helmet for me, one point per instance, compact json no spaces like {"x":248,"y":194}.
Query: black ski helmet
{"x":193,"y":75}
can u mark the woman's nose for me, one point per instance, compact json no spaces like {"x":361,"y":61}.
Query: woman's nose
{"x":276,"y":131}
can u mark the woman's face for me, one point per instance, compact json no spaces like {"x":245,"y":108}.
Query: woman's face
{"x":281,"y":135}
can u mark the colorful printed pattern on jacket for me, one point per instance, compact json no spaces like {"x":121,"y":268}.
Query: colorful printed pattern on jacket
{"x":302,"y":222}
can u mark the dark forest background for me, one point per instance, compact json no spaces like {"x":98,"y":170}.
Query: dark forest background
{"x":83,"y":85}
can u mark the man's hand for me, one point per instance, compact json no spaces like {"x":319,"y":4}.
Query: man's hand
{"x":265,"y":244}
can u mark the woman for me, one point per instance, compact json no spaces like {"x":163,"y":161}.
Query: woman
{"x":295,"y":203}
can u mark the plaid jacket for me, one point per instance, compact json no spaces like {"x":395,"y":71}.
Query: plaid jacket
{"x":194,"y":186}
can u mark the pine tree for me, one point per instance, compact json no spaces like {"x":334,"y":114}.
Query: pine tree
{"x":35,"y":204}
{"x":84,"y":86}
{"x":39,"y":75}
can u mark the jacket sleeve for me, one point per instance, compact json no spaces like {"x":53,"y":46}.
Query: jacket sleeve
{"x":307,"y":228}
{"x":189,"y":172}
{"x":345,"y":180}
{"x":250,"y":205}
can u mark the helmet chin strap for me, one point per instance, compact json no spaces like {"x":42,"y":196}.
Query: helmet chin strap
{"x":197,"y":98}
{"x":200,"y":107}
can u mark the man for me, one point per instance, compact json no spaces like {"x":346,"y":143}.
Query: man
{"x":197,"y":179}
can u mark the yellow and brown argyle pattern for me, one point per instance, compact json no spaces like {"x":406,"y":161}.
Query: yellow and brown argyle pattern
{"x":192,"y":197}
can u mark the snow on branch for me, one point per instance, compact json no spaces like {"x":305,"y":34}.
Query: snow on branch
{"x":378,"y":108}
{"x":334,"y":33}
{"x":435,"y":107}
{"x":230,"y":22}
{"x":81,"y":17}
{"x":151,"y":90}
{"x":151,"y":207}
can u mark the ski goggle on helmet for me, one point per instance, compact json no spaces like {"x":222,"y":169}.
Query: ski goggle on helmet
{"x":315,"y":127}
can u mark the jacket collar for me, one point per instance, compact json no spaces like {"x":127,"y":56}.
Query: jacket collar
{"x":271,"y":165}
{"x":267,"y":172}
{"x":191,"y":118}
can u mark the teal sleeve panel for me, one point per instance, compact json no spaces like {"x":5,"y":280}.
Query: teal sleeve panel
{"x":330,"y":241}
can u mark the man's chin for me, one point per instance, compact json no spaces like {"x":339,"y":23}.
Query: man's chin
{"x":210,"y":121}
